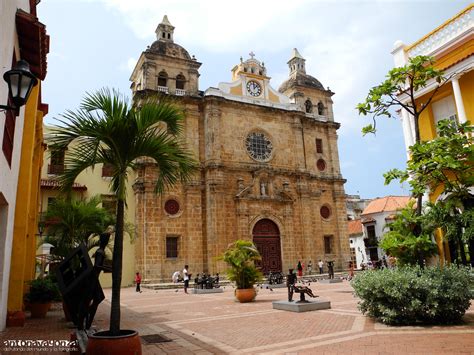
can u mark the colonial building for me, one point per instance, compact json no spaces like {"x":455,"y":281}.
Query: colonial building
{"x":22,"y":37}
{"x":375,"y":218}
{"x":452,"y":46}
{"x":269,"y":167}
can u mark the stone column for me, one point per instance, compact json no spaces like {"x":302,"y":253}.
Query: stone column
{"x":407,"y":132}
{"x":458,"y":100}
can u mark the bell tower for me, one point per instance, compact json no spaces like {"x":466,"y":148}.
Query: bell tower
{"x":166,"y":67}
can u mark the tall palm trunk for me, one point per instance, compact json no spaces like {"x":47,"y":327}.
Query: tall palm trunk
{"x":117,"y":270}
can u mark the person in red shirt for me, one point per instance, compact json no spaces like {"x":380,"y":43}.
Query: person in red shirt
{"x":138,"y":281}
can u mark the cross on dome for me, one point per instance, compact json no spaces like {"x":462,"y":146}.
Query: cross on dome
{"x":251,"y":54}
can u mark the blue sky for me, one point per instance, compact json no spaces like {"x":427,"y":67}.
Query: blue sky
{"x":346,"y":44}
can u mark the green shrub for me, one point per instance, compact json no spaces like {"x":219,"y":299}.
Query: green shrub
{"x":411,"y":295}
{"x":42,"y":291}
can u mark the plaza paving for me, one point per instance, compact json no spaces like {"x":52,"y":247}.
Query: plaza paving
{"x":216,"y":324}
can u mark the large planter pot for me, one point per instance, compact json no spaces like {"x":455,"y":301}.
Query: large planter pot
{"x":245,"y":294}
{"x":39,"y":310}
{"x":102,"y":343}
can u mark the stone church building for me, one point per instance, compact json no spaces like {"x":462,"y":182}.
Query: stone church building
{"x":269,"y":168}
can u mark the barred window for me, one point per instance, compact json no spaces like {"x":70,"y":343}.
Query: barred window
{"x":172,"y":247}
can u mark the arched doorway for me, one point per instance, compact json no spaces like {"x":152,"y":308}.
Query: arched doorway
{"x":266,"y":237}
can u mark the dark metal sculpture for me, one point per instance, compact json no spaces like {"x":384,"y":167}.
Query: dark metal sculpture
{"x":331,"y":269}
{"x":79,"y":285}
{"x":291,"y":280}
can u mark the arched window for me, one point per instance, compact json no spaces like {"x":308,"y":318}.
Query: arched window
{"x":320,"y":108}
{"x":180,"y":80}
{"x":162,"y":78}
{"x":308,"y":106}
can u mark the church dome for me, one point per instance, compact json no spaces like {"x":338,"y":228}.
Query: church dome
{"x":169,"y":49}
{"x":301,"y":79}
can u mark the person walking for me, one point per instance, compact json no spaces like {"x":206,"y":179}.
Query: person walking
{"x":186,"y":276}
{"x":300,"y":269}
{"x":320,"y":264}
{"x":309,"y":268}
{"x":138,"y":281}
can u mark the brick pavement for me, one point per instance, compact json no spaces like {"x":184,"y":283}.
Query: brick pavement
{"x":216,"y":324}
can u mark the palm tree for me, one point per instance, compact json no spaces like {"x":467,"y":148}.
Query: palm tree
{"x":108,"y":130}
{"x":69,"y":222}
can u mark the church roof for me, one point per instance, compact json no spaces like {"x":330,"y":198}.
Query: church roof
{"x":169,"y":49}
{"x":301,"y":79}
{"x":296,"y":54}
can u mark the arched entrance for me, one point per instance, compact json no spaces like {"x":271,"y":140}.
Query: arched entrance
{"x":266,"y":237}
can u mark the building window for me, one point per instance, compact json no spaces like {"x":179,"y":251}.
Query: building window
{"x":259,"y":146}
{"x":171,"y":207}
{"x":328,"y":244}
{"x":171,"y":247}
{"x":107,"y":170}
{"x":321,"y":164}
{"x":325,"y":212}
{"x":57,"y":162}
{"x":320,"y":108}
{"x":162,"y":78}
{"x":180,"y":80}
{"x":308,"y":106}
{"x":109,"y":203}
{"x":319,"y":146}
{"x":51,"y":201}
{"x":444,"y":109}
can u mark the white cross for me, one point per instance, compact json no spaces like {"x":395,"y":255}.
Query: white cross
{"x":252,"y":54}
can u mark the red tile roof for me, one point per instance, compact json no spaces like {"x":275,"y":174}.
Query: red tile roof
{"x":386,"y":204}
{"x":54,"y":184}
{"x":354,"y":227}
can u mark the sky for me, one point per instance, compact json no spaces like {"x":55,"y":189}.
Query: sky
{"x":347,"y":46}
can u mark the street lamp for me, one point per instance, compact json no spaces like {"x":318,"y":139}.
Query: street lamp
{"x":20,"y":81}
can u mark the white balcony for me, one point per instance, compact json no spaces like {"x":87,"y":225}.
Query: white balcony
{"x":180,"y":92}
{"x":163,"y":89}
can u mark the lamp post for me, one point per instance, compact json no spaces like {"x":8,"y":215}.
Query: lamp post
{"x":20,"y":81}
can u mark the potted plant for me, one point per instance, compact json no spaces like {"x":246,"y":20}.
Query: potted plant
{"x":108,"y":130}
{"x":40,"y":296}
{"x":241,"y":256}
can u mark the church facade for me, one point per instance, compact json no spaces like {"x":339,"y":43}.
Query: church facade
{"x":268,"y":168}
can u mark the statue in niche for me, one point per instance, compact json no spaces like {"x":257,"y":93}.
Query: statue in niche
{"x":263,"y":189}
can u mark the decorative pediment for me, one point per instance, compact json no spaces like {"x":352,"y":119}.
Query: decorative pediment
{"x":263,"y":187}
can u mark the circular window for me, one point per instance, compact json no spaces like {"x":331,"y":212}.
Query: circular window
{"x":259,"y":146}
{"x":172,"y":207}
{"x":325,"y":212}
{"x":321,"y":164}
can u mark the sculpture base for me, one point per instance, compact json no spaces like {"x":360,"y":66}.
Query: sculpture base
{"x":330,"y":281}
{"x":296,"y":306}
{"x":200,"y":291}
{"x":283,"y":285}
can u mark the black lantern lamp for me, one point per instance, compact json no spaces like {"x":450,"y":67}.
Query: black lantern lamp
{"x":20,"y":81}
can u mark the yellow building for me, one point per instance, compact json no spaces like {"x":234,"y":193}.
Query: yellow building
{"x":452,"y":46}
{"x":22,"y":37}
{"x":89,"y":183}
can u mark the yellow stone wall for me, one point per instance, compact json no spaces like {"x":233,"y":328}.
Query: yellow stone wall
{"x":26,"y":212}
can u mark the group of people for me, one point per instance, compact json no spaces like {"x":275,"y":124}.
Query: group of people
{"x":309,"y":267}
{"x":176,"y":277}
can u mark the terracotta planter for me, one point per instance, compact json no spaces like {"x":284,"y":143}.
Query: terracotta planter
{"x":39,"y":310}
{"x":245,"y":295}
{"x":102,"y":343}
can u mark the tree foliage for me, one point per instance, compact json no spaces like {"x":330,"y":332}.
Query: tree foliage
{"x":69,"y":222}
{"x":107,"y":130}
{"x":398,"y":91}
{"x":409,"y":238}
{"x":447,"y":160}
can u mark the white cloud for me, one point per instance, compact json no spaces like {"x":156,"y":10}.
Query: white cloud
{"x":129,"y":65}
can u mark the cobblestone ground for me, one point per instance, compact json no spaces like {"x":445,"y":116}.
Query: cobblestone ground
{"x":216,"y":324}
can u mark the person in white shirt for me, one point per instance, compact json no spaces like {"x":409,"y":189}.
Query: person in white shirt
{"x":186,"y":277}
{"x":176,"y":276}
{"x":320,"y":264}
